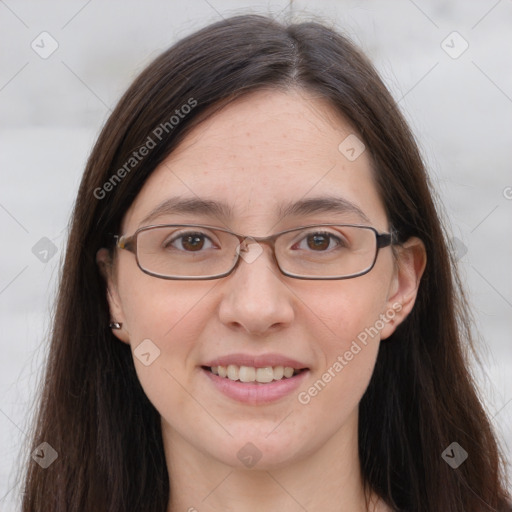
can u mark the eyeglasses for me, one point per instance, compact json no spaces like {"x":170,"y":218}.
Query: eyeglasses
{"x":197,"y":252}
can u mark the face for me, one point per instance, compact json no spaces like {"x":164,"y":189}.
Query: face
{"x":260,"y":152}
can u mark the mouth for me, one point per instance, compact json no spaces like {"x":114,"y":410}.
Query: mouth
{"x":255,"y":385}
{"x":254,"y":375}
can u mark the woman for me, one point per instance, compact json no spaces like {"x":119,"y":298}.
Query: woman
{"x":257,"y":308}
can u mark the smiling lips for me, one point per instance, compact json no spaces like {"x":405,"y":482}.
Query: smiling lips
{"x":251,"y":374}
{"x":261,"y":369}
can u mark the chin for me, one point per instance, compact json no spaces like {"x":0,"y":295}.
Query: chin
{"x":259,"y":452}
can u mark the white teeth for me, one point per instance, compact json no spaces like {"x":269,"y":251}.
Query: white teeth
{"x":247,"y":374}
{"x":265,"y":374}
{"x":251,"y":374}
{"x":233,"y":372}
{"x":288,"y":372}
{"x":278,"y":372}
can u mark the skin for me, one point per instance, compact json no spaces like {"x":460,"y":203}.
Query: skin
{"x":263,"y":149}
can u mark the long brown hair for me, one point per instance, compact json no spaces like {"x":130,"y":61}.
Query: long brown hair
{"x":421,"y":397}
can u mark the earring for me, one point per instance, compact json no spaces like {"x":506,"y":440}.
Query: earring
{"x":115,"y":325}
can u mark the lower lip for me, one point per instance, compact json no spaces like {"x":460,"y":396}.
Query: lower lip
{"x":253,"y":393}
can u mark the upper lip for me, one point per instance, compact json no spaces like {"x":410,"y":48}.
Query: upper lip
{"x":256,"y":361}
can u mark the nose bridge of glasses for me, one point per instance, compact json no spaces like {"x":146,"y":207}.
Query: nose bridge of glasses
{"x":250,"y":248}
{"x":246,"y":241}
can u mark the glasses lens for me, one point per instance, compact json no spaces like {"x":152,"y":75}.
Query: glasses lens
{"x":199,"y":252}
{"x":185,"y":251}
{"x":327,"y":251}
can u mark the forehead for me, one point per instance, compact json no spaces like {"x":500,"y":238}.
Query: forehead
{"x":258,"y":156}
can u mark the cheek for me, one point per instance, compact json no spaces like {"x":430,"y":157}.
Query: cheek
{"x":165,"y":320}
{"x":348,"y":309}
{"x":349,"y":326}
{"x":161,"y":309}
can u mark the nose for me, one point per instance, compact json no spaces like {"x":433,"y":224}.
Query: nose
{"x":255,"y":297}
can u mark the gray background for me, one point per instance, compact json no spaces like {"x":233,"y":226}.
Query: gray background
{"x":459,"y":106}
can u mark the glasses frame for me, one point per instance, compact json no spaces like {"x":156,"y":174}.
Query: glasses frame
{"x":129,"y":243}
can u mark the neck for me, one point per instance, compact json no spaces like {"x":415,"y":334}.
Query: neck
{"x":329,"y":479}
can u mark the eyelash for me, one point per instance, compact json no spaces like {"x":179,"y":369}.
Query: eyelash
{"x":331,"y":236}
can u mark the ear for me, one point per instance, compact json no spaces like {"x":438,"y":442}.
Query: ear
{"x":106,"y":266}
{"x":410,"y":265}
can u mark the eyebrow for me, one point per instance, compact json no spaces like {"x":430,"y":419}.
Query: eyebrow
{"x":199,"y":206}
{"x":322,"y":204}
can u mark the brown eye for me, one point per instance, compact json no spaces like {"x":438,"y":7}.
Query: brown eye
{"x":189,"y":242}
{"x":192,"y":242}
{"x":318,"y":241}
